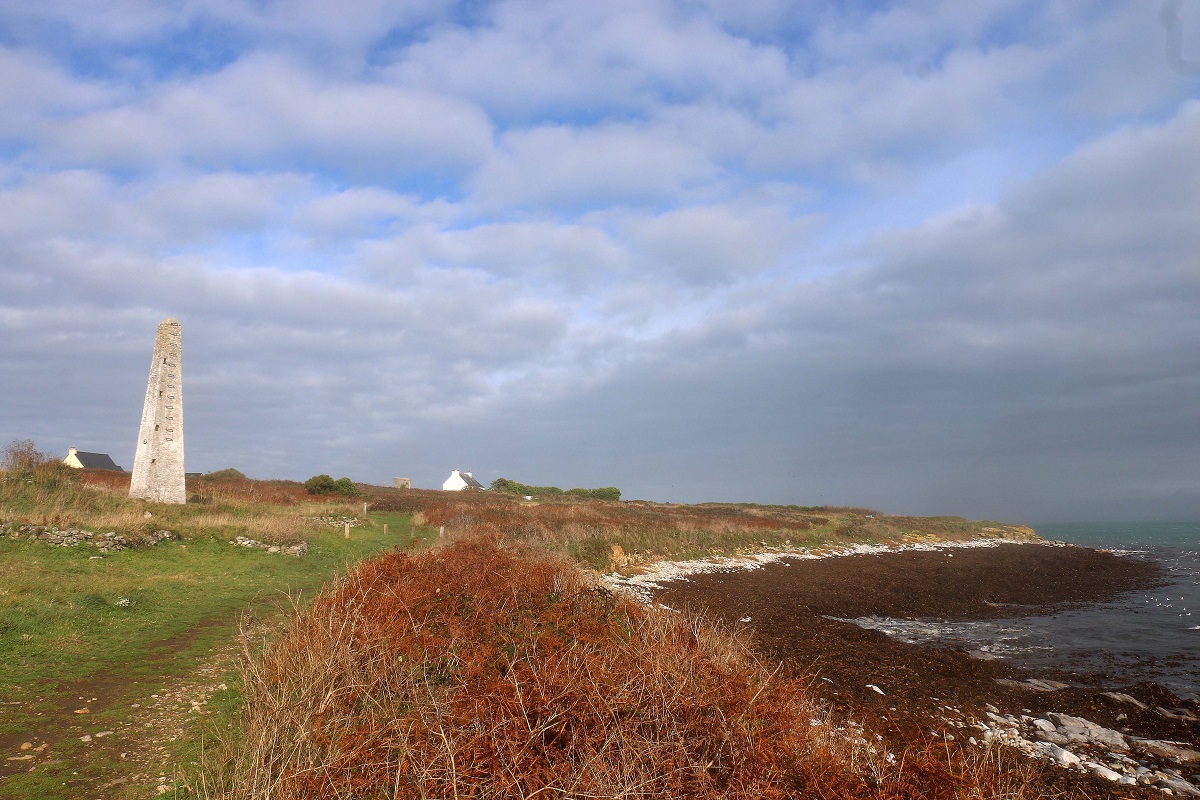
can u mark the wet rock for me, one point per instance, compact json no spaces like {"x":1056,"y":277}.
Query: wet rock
{"x":1177,"y":713}
{"x":1121,"y":697}
{"x":1037,"y":684}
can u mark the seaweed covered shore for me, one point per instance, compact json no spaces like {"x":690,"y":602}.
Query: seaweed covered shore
{"x":801,"y":610}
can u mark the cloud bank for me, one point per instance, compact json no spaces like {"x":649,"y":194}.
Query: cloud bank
{"x":926,"y":257}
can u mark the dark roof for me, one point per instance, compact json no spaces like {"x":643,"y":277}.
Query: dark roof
{"x":96,"y":461}
{"x":474,"y":484}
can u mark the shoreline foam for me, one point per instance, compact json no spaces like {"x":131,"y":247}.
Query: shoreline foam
{"x":642,"y":585}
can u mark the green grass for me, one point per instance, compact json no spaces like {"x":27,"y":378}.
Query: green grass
{"x":146,"y":617}
{"x":65,"y":615}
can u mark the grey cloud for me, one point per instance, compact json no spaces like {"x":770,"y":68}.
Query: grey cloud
{"x":616,"y":300}
{"x":998,"y":364}
{"x":716,"y":243}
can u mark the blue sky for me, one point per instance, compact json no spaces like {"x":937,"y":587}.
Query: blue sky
{"x":931,"y":257}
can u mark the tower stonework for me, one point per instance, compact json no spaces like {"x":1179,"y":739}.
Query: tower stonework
{"x":158,"y":465}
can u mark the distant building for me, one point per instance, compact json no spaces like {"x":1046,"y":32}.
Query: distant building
{"x":401,"y":483}
{"x":459,"y":481}
{"x":81,"y":460}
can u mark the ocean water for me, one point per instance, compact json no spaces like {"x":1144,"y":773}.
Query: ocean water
{"x":1149,"y":634}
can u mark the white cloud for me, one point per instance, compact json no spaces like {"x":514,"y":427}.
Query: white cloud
{"x":622,"y":56}
{"x":359,"y":211}
{"x":265,"y":110}
{"x":165,"y":214}
{"x":549,"y":166}
{"x":34,"y":89}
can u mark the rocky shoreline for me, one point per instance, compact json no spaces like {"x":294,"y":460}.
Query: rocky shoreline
{"x":1093,"y":738}
{"x":1077,"y":743}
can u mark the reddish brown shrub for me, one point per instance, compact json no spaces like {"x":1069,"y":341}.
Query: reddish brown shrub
{"x":479,"y":671}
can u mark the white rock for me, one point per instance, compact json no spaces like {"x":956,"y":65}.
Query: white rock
{"x":1067,"y":721}
{"x":1044,"y":725}
{"x":1102,"y":771}
{"x":1056,"y":754}
{"x":1107,"y":737}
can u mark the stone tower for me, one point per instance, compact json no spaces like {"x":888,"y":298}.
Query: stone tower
{"x":158,"y":465}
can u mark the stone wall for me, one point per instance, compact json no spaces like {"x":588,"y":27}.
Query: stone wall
{"x":69,"y":537}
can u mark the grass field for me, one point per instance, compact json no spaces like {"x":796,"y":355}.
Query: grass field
{"x":74,"y":625}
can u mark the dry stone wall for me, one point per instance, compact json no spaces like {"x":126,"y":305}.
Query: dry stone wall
{"x":69,"y":537}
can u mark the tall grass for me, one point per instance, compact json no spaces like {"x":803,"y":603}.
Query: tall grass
{"x":275,"y":511}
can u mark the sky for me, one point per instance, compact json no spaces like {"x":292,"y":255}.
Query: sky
{"x":928,"y":257}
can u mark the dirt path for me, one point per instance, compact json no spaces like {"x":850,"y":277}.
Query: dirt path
{"x":115,"y":731}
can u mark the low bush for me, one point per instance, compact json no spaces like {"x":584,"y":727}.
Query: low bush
{"x":324,"y":484}
{"x":229,"y":474}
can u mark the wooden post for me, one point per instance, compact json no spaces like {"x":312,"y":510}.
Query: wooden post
{"x":385,"y":529}
{"x":347,"y":530}
{"x":441,"y":530}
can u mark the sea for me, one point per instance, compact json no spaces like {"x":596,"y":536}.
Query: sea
{"x":1150,"y":634}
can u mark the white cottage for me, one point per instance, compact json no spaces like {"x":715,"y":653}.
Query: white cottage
{"x":459,"y":481}
{"x":81,"y":460}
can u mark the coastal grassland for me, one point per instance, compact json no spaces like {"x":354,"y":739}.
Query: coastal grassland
{"x":75,"y":623}
{"x":489,"y":669}
{"x":622,"y":535}
{"x":263,"y":510}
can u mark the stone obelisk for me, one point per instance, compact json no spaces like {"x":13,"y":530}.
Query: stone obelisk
{"x":158,"y":465}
